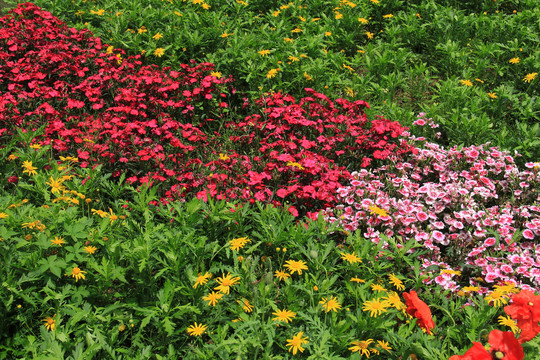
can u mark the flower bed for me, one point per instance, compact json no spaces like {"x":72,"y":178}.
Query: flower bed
{"x":173,"y":127}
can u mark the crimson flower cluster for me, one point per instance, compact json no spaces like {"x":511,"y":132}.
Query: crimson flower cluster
{"x":162,"y":126}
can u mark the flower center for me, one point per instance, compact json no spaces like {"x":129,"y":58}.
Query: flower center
{"x":499,"y":355}
{"x":530,"y":303}
{"x":76,"y":271}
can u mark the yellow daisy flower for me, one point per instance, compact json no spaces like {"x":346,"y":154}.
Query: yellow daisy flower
{"x":296,"y":266}
{"x":212,"y":298}
{"x":77,"y":274}
{"x":202,"y":279}
{"x":330,"y":304}
{"x":283,"y":315}
{"x":375,"y":307}
{"x":196,"y":329}
{"x":296,"y":343}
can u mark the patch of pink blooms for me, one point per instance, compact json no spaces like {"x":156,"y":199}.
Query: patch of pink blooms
{"x":472,"y":209}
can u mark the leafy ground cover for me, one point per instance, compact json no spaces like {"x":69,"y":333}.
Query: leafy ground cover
{"x":151,"y":212}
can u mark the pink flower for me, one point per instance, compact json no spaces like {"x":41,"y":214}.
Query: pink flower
{"x":528,"y":234}
{"x":490,"y":241}
{"x":422,"y":216}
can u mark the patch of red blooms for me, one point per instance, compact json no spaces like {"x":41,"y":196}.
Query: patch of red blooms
{"x":162,"y":126}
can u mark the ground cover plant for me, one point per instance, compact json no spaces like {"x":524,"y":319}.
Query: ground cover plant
{"x":471,"y":66}
{"x":152,"y":212}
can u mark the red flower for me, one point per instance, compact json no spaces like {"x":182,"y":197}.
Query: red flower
{"x":476,"y":352}
{"x":504,"y":346}
{"x":525,"y":309}
{"x":420,"y":310}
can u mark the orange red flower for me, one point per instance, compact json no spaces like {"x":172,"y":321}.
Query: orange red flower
{"x":525,"y":309}
{"x":420,"y":310}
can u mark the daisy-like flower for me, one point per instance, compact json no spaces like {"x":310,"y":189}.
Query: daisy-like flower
{"x":49,"y":323}
{"x":56,"y":185}
{"x":283,"y":315}
{"x":330,"y":304}
{"x":392,"y":299}
{"x":377,"y":287}
{"x":3,"y":215}
{"x":202,"y":279}
{"x":362,"y":347}
{"x":328,"y":33}
{"x":375,"y":307}
{"x":225,"y":282}
{"x":99,"y":12}
{"x":296,"y":266}
{"x":263,"y":52}
{"x":77,"y":273}
{"x":217,"y":75}
{"x":507,"y":288}
{"x":142,"y":30}
{"x":358,"y":280}
{"x":296,"y":343}
{"x":281,"y":275}
{"x":272,"y":73}
{"x":530,"y":77}
{"x":498,"y":298}
{"x":508,"y":321}
{"x":237,"y":244}
{"x":35,"y":146}
{"x":101,"y":213}
{"x":293,"y":58}
{"x":377,"y":210}
{"x":212,"y":298}
{"x":28,"y":168}
{"x":159,"y":52}
{"x":363,"y":20}
{"x":471,"y":288}
{"x":58,"y":241}
{"x":398,"y":284}
{"x":12,"y":157}
{"x":514,"y":60}
{"x":387,"y":16}
{"x":246,"y":306}
{"x":369,"y":35}
{"x":90,"y":249}
{"x":466,"y":82}
{"x":492,"y":95}
{"x":157,"y":36}
{"x":383,"y":345}
{"x":351,"y":258}
{"x":196,"y":329}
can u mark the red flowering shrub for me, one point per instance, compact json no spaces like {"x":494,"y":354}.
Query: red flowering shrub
{"x":163,"y":126}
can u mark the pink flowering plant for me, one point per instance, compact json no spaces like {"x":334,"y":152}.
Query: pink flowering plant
{"x":474,"y":211}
